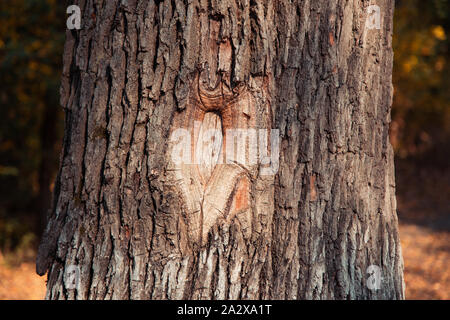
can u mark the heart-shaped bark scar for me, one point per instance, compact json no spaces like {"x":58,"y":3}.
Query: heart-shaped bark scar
{"x":222,"y":151}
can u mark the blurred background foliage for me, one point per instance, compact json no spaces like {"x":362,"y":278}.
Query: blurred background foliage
{"x":31,"y":121}
{"x":421,"y":112}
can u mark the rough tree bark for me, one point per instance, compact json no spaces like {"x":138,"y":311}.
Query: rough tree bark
{"x":140,"y":227}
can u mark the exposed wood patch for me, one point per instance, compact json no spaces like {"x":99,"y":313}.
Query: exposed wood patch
{"x":215,"y":186}
{"x":312,"y":188}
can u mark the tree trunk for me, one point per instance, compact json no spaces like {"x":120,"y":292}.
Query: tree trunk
{"x":143,"y":82}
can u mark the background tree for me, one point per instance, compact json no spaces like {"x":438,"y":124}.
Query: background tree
{"x":421,"y":112}
{"x":31,"y":120}
{"x":420,"y":137}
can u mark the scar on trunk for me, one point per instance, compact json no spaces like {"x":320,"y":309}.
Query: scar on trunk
{"x":312,"y":188}
{"x":212,"y":188}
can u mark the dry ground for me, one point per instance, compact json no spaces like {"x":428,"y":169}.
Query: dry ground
{"x":20,"y":282}
{"x":423,"y":201}
{"x":426,"y":255}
